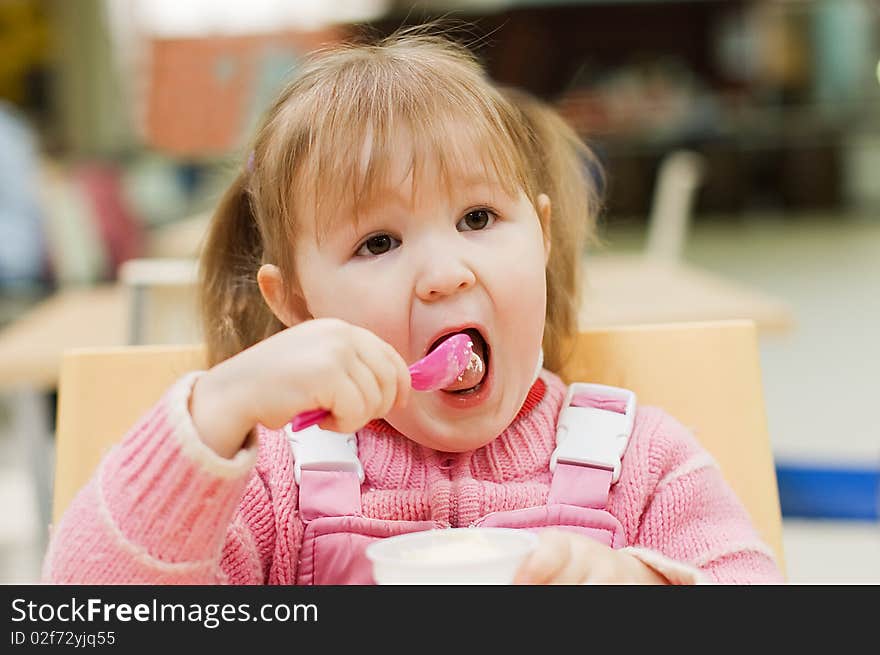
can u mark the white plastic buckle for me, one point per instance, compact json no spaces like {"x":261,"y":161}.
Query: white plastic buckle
{"x":315,"y":449}
{"x":594,"y":437}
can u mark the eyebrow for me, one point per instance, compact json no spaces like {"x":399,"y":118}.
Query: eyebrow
{"x":394,"y":194}
{"x":480,"y":180}
{"x":367,"y":206}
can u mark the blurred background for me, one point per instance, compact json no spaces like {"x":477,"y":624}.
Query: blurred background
{"x":741,"y":145}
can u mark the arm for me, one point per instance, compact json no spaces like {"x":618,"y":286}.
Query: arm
{"x":693,"y":528}
{"x":161,"y":509}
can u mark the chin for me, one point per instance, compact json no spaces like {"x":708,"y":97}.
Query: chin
{"x":458,"y":444}
{"x":454,"y":430}
{"x":448,"y":437}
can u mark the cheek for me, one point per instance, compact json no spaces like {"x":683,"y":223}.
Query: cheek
{"x":526,"y":306}
{"x":522,"y":276}
{"x":362,"y":299}
{"x":520,"y":301}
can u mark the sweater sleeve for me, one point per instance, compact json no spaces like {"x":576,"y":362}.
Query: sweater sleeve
{"x":161,"y":509}
{"x":693,"y":528}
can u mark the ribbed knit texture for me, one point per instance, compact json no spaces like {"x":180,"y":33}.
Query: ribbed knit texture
{"x":164,"y":508}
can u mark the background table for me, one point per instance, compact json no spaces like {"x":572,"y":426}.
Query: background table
{"x":636,"y":289}
{"x":619,"y":290}
{"x":32,"y":345}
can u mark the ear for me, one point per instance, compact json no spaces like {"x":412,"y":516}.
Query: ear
{"x":544,"y":211}
{"x":289,"y":311}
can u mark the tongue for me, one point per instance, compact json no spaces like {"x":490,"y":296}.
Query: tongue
{"x":474,"y":373}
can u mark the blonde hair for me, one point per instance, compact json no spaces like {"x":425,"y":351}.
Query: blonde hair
{"x":564,"y":170}
{"x":352,"y":95}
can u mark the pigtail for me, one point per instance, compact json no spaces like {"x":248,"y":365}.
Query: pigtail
{"x":568,"y":172}
{"x":233,"y":312}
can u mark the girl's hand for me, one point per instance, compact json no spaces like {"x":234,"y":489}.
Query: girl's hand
{"x":564,"y":557}
{"x":321,"y":363}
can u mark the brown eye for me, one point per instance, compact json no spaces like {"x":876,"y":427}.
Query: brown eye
{"x":378,"y":244}
{"x":478,"y":219}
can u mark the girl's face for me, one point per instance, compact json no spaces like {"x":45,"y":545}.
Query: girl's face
{"x":418,"y":266}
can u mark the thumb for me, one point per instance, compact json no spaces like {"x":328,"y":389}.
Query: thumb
{"x":548,"y":558}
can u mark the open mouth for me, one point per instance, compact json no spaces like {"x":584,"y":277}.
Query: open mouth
{"x":472,"y":379}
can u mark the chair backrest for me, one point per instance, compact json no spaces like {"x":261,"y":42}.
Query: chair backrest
{"x":707,"y":375}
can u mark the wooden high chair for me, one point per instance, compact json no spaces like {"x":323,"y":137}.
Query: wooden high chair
{"x":707,"y":375}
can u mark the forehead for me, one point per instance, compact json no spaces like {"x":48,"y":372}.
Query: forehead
{"x":408,"y":168}
{"x":342,"y":184}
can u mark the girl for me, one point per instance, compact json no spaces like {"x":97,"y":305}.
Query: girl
{"x":394,"y":197}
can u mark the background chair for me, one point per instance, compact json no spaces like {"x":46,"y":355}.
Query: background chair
{"x":705,"y":374}
{"x":162,"y":297}
{"x":678,"y":179}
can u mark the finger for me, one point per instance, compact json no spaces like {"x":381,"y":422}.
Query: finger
{"x":346,"y":400}
{"x":577,"y":567}
{"x":601,"y":573}
{"x":607,"y":567}
{"x":367,"y":342}
{"x":353,"y":398}
{"x":550,"y":556}
{"x":368,"y":385}
{"x":385,"y":376}
{"x":404,"y":379}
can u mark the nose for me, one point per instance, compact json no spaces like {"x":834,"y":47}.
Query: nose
{"x":443,"y":274}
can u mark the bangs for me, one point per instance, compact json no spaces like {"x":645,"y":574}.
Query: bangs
{"x":368,"y":132}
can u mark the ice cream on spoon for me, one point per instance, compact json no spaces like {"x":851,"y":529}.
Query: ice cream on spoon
{"x":451,"y":366}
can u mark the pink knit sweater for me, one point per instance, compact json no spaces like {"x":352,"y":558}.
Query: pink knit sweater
{"x":162,"y":508}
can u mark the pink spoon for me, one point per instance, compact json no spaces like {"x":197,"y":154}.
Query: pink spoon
{"x":436,"y":370}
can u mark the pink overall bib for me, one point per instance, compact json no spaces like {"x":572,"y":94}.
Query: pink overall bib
{"x":592,"y":434}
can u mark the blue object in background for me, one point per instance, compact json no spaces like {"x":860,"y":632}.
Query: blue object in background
{"x":828,"y":492}
{"x":22,"y":248}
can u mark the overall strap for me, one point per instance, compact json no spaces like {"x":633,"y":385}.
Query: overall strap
{"x":327,"y":469}
{"x":593,"y":431}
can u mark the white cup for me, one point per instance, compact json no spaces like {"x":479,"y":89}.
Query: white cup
{"x":459,"y":556}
